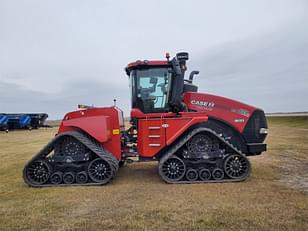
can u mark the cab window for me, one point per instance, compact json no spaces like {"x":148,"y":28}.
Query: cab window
{"x":152,"y":89}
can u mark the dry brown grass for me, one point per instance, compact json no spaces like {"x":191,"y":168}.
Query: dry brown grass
{"x":271,"y":199}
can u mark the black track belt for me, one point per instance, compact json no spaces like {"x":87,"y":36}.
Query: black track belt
{"x":87,"y":141}
{"x":171,"y":151}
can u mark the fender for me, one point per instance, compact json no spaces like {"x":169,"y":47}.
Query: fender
{"x":103,"y":124}
{"x":96,"y":126}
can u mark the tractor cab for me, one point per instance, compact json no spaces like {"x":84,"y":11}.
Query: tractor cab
{"x":150,"y":89}
{"x":157,"y":86}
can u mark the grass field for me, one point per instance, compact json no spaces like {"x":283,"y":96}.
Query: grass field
{"x":275,"y":197}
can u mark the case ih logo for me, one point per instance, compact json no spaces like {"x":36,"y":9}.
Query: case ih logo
{"x":203,"y":103}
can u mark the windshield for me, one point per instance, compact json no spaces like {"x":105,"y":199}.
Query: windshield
{"x":150,"y":89}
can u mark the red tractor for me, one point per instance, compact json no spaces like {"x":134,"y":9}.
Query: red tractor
{"x":195,"y":137}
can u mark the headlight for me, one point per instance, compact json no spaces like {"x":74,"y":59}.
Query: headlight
{"x":263,"y":131}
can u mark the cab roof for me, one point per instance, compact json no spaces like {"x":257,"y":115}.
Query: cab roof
{"x":146,"y":63}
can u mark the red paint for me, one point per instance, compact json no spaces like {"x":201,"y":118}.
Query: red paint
{"x":224,"y":109}
{"x":155,"y":131}
{"x":102,"y":132}
{"x":149,"y":63}
{"x":98,"y":123}
{"x":177,"y":126}
{"x":137,"y":113}
{"x":150,"y":127}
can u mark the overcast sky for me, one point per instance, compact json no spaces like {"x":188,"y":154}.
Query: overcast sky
{"x":55,"y":54}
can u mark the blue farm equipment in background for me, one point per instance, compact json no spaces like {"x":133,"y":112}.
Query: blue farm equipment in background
{"x":18,"y":121}
{"x":38,"y":119}
{"x":9,"y":121}
{"x":4,"y":122}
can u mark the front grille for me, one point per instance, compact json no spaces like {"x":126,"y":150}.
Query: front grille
{"x":251,"y":132}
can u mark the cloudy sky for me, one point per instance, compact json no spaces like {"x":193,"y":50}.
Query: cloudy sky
{"x":55,"y":54}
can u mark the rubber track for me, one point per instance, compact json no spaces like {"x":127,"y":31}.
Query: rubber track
{"x":86,"y":140}
{"x":186,"y":138}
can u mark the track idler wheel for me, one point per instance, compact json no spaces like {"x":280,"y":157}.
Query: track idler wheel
{"x":38,"y":172}
{"x":191,"y":174}
{"x":237,"y":166}
{"x":56,"y":178}
{"x":100,"y":171}
{"x":204,"y":174}
{"x":82,"y":177}
{"x":173,"y":169}
{"x":68,"y":178}
{"x":218,"y":174}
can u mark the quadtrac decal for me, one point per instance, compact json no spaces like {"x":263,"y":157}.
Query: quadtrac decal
{"x":241,"y":112}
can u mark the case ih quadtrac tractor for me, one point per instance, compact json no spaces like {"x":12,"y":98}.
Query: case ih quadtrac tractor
{"x":195,"y":137}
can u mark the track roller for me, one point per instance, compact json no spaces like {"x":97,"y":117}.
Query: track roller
{"x":68,"y":178}
{"x":81,"y":177}
{"x":218,"y":174}
{"x":204,"y":174}
{"x":56,"y":178}
{"x":191,"y":174}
